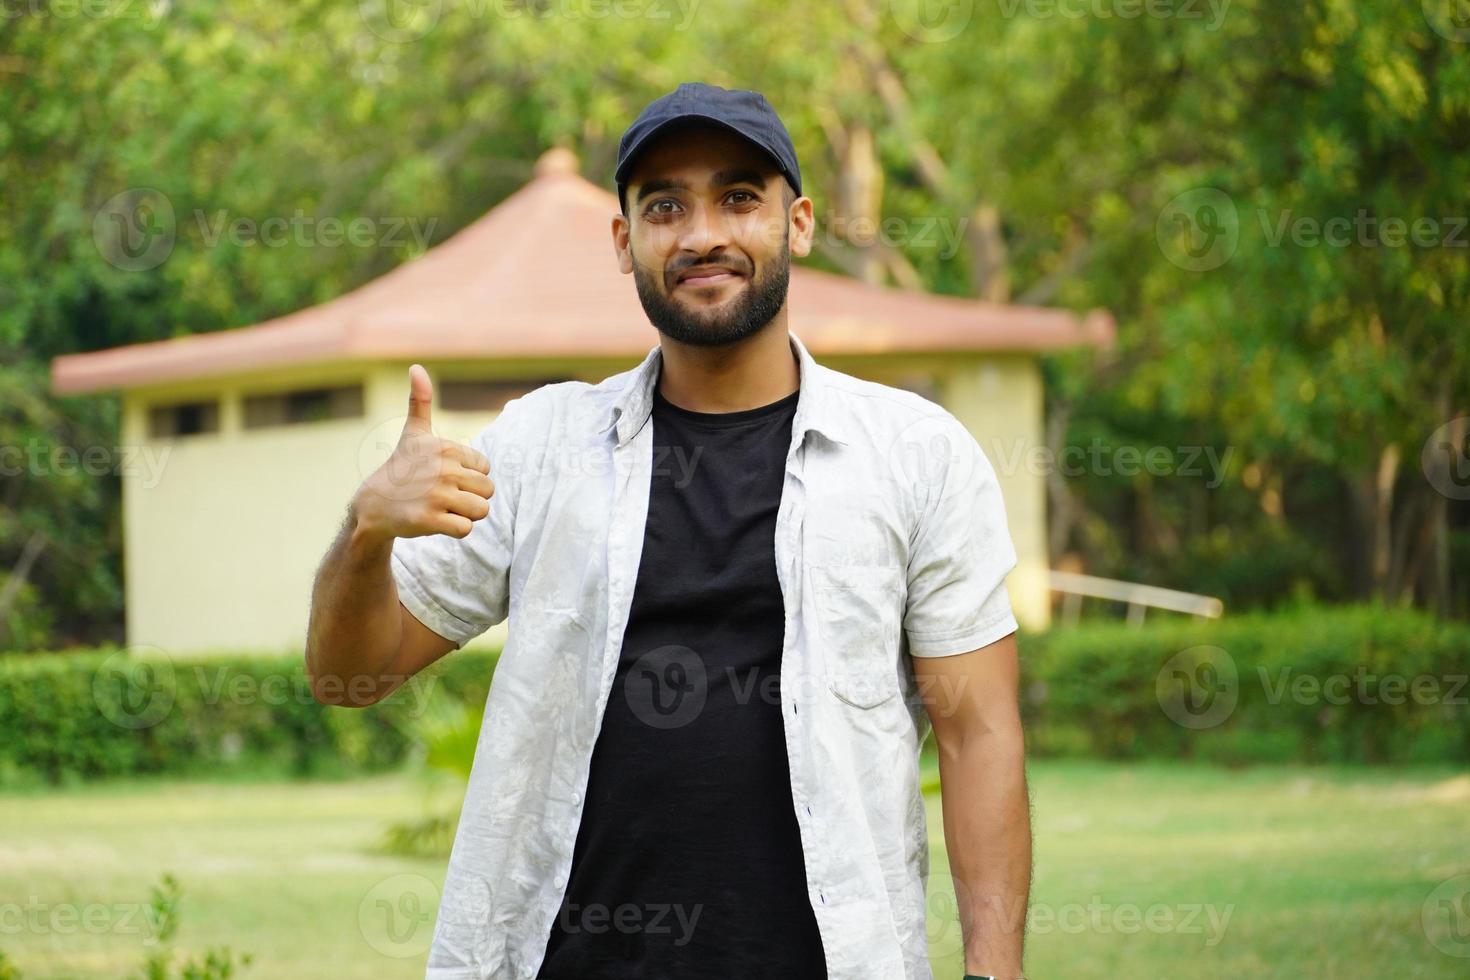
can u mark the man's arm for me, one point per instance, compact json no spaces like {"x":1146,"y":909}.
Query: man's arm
{"x":972,"y":700}
{"x":361,"y":642}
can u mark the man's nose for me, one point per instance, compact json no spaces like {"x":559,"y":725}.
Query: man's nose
{"x":706,"y":230}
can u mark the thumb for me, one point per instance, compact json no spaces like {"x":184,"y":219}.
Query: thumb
{"x":420,"y":400}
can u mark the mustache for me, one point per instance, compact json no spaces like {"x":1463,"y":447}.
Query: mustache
{"x":733,"y":264}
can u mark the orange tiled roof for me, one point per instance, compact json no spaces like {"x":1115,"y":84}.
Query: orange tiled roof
{"x":498,"y":289}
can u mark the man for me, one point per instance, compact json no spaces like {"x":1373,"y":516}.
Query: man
{"x":741,"y":587}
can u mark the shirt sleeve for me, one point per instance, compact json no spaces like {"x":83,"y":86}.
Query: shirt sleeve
{"x":459,"y":587}
{"x":961,"y":550}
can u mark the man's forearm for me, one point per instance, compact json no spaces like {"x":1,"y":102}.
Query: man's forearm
{"x":355,"y":626}
{"x":987,"y":832}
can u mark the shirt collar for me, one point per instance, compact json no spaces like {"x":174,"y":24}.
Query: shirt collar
{"x":815,"y":408}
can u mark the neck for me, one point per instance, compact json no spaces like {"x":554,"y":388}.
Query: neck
{"x":756,"y":371}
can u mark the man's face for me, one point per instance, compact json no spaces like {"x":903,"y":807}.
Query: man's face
{"x":708,"y":235}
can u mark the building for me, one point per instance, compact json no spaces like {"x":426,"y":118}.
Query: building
{"x":261,"y":434}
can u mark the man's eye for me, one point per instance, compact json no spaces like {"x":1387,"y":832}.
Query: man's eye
{"x":653,"y":208}
{"x":748,"y":194}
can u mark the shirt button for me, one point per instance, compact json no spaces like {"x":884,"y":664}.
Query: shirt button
{"x":576,"y":797}
{"x":560,"y":882}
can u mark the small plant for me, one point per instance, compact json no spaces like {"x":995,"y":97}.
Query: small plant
{"x":217,"y":964}
{"x":444,"y":737}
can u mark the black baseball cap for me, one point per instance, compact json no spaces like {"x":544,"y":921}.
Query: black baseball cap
{"x":745,"y":113}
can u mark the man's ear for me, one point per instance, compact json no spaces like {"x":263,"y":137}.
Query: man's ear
{"x":620,"y":231}
{"x":803,"y":226}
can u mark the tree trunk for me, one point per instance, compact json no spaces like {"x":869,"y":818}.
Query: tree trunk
{"x":1373,"y":499}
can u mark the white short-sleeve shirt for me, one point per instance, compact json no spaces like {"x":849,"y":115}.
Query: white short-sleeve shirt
{"x":891,"y":543}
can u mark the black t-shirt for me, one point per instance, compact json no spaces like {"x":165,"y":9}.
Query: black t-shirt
{"x":688,"y":861}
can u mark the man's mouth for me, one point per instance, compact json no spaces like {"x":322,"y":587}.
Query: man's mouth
{"x":707,"y":277}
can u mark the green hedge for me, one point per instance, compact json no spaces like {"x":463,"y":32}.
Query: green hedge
{"x":1358,"y":684}
{"x":1097,"y":690}
{"x":75,"y":716}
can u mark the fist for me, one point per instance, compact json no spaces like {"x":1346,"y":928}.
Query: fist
{"x":428,"y":485}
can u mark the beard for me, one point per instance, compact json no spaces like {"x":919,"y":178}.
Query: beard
{"x":734,"y":320}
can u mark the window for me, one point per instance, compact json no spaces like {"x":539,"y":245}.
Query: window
{"x":183,"y":419}
{"x":305,"y":405}
{"x":484,"y":396}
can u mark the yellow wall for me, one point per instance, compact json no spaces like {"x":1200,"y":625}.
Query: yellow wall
{"x":224,"y":531}
{"x":1000,"y":402}
{"x":221,"y":549}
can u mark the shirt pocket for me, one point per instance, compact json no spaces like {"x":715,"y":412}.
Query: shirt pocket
{"x":858,"y":615}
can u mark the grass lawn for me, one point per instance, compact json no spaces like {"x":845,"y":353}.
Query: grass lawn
{"x":1146,"y":871}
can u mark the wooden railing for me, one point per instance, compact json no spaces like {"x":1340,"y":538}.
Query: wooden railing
{"x":1138,"y":597}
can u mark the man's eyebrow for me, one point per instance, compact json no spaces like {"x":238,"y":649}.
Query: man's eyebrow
{"x":722,"y":178}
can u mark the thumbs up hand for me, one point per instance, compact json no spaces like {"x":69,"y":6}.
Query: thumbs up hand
{"x":427,"y":485}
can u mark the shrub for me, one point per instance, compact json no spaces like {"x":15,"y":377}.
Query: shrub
{"x":70,"y":717}
{"x":1314,"y":684}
